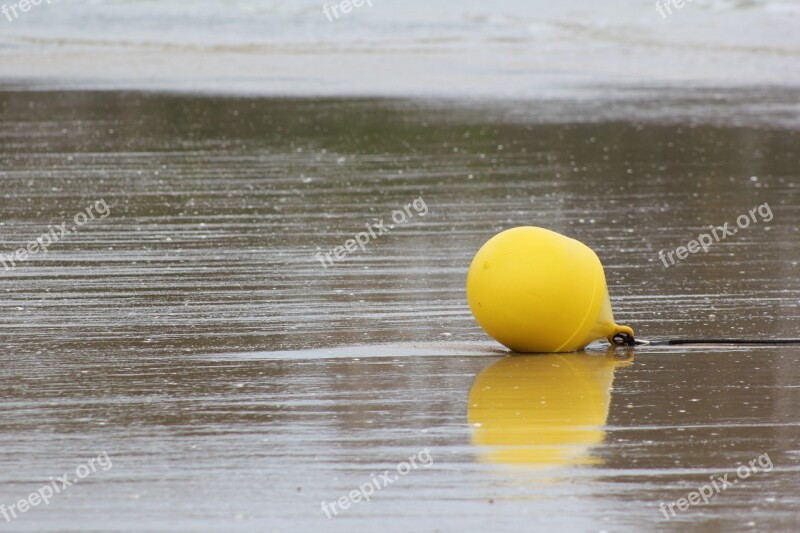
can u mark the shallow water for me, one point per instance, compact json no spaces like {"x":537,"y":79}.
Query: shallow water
{"x":498,"y":49}
{"x":236,"y":383}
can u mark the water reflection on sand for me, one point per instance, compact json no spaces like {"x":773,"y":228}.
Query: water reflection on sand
{"x":543,"y":410}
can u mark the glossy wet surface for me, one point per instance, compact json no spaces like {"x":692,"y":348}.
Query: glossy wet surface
{"x":236,"y":383}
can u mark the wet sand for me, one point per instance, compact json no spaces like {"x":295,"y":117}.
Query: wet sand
{"x":236,"y":383}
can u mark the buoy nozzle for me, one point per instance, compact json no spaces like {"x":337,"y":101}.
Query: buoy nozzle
{"x":623,"y":335}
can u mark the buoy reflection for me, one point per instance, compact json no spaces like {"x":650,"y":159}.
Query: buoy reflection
{"x":545,"y":410}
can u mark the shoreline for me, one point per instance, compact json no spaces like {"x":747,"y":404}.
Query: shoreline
{"x":759,"y":106}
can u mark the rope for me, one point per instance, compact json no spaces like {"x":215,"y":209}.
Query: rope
{"x":674,"y":342}
{"x":625,"y":339}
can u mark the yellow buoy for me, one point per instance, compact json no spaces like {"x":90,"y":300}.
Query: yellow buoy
{"x":534,"y":290}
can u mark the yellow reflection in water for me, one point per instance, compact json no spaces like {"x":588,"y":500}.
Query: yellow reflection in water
{"x":545,"y":410}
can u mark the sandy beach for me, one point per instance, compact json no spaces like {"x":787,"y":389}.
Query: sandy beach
{"x":236,"y":383}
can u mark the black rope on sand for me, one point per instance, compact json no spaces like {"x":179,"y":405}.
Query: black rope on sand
{"x":673,"y":342}
{"x":624,"y":339}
